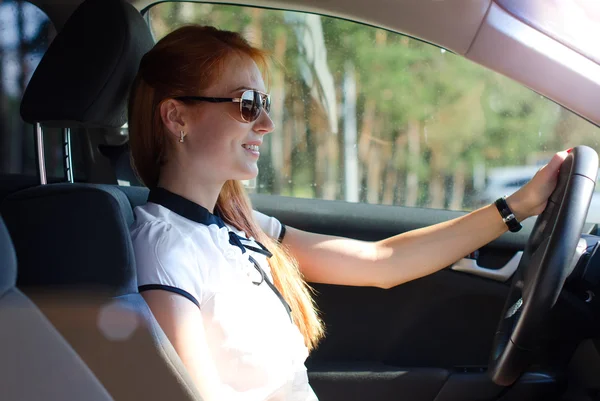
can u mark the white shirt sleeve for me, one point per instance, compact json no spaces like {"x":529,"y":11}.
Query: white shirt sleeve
{"x":166,"y":260}
{"x":270,"y":225}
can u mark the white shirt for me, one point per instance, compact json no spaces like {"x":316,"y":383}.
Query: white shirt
{"x":181,"y":247}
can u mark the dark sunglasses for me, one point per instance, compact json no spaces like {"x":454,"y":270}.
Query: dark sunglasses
{"x":252,"y":102}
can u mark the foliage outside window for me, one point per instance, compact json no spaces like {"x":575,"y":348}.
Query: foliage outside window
{"x":367,"y":115}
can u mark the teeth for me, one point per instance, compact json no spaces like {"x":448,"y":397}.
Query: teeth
{"x":251,"y":147}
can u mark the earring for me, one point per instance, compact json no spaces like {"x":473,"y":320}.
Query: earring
{"x":181,"y":136}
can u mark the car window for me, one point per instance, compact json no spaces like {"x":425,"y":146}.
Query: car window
{"x":25,"y":34}
{"x":366,"y":115}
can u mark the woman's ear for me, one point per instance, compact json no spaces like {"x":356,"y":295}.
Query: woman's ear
{"x":171,"y":115}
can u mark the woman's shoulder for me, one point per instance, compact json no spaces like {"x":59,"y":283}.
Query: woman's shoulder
{"x":160,"y":234}
{"x":166,"y":256}
{"x":155,"y":233}
{"x":163,"y":246}
{"x":154,"y":219}
{"x":270,"y":225}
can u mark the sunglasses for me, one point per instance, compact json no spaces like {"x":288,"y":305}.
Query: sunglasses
{"x":252,"y":102}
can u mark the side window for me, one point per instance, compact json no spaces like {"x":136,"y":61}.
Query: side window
{"x":25,"y":34}
{"x":367,"y":115}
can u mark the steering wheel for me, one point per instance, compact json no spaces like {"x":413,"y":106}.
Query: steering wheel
{"x":545,"y":264}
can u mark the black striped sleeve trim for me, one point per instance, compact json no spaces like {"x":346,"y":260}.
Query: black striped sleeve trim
{"x":281,"y":233}
{"x":175,"y":290}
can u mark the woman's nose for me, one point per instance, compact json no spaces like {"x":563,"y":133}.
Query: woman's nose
{"x":264,"y":124}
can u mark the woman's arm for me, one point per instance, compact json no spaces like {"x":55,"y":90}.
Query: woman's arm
{"x":181,"y":321}
{"x":395,"y":260}
{"x":414,"y":254}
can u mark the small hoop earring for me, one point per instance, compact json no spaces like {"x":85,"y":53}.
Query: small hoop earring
{"x":181,"y":136}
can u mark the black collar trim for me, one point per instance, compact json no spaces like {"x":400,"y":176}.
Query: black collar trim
{"x":193,"y":211}
{"x":184,"y":207}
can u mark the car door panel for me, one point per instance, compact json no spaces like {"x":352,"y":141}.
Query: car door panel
{"x":375,"y":381}
{"x":443,"y":320}
{"x":407,"y":341}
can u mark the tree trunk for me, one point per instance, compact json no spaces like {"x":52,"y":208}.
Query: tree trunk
{"x":366,"y":132}
{"x":436,"y":185}
{"x":414,"y":155}
{"x":254,"y":29}
{"x":364,"y":142}
{"x":391,"y":181}
{"x":278,"y":98}
{"x":380,"y":37}
{"x":374,"y":168}
{"x":397,"y":186}
{"x":436,"y":191}
{"x":351,"y":177}
{"x":300,"y":139}
{"x":458,"y":187}
{"x":289,"y":133}
{"x":318,"y":148}
{"x":330,"y":188}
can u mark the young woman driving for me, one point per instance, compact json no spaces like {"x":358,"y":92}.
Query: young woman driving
{"x":227,"y":284}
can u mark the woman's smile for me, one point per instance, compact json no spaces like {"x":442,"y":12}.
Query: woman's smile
{"x":252,"y":149}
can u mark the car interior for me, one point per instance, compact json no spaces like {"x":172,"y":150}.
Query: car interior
{"x":74,"y":326}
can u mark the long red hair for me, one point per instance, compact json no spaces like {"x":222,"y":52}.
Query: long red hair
{"x":186,"y":61}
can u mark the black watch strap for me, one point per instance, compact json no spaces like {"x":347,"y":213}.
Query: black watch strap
{"x":507,"y":215}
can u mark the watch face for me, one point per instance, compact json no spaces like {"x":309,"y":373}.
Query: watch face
{"x":514,"y":226}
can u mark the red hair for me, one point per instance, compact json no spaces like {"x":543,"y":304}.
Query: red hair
{"x":186,"y":61}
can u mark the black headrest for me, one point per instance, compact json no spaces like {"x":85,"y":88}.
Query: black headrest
{"x":8,"y":260}
{"x":72,"y":236}
{"x":120,"y":160}
{"x":138,"y":196}
{"x":84,"y":77}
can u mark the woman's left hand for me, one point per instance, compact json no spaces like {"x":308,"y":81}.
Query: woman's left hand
{"x":531,"y":199}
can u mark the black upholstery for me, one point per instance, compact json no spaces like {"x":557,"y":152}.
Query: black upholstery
{"x":8,"y":261}
{"x":137,"y":196}
{"x":10,"y":183}
{"x":120,"y":161}
{"x":84,"y":77}
{"x":82,"y":230}
{"x":77,"y":265}
{"x":37,"y":363}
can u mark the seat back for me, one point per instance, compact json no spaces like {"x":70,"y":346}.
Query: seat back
{"x":78,"y":268}
{"x":37,"y":363}
{"x":10,"y":183}
{"x":72,"y":240}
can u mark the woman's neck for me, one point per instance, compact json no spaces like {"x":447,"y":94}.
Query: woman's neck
{"x":179,"y":182}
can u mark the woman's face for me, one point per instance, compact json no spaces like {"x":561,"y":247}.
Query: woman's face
{"x":217,"y":139}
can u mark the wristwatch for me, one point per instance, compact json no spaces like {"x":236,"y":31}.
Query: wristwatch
{"x":508,"y":217}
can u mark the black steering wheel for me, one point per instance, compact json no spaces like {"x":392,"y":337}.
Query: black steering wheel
{"x":544,"y":267}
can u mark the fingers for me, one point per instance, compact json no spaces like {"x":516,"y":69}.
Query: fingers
{"x":551,"y":169}
{"x":560,"y":157}
{"x":557,"y":160}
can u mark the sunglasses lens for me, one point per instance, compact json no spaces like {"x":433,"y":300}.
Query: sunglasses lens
{"x":250,"y":105}
{"x":267,"y":104}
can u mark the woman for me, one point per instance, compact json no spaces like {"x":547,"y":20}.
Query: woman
{"x":225,"y":283}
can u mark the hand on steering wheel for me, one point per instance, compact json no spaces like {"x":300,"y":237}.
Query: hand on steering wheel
{"x":532,"y":198}
{"x":546,"y":260}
